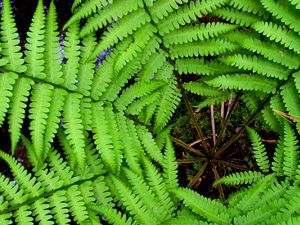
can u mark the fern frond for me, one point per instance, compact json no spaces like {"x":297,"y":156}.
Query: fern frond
{"x":121,"y":30}
{"x":112,"y":215}
{"x":170,"y":98}
{"x":258,"y":65}
{"x":155,"y":62}
{"x":187,"y":14}
{"x":10,"y":48}
{"x":202,"y":89}
{"x":248,"y":6}
{"x":131,"y":153}
{"x":71,"y":53}
{"x":206,"y":208}
{"x":202,"y":48}
{"x":236,"y":16}
{"x":272,"y":51}
{"x":215,"y":100}
{"x":17,"y":109}
{"x":56,"y":106}
{"x":296,"y":3}
{"x":134,"y":204}
{"x":107,"y":15}
{"x":143,"y":37}
{"x":284,"y":12}
{"x":149,"y":144}
{"x":244,"y":82}
{"x":7,"y":80}
{"x":103,"y":138}
{"x":38,"y":113}
{"x":249,"y":198}
{"x":155,"y":181}
{"x":247,"y":177}
{"x":74,"y":127}
{"x":198,"y":32}
{"x":291,"y":151}
{"x":260,"y":152}
{"x":162,"y":8}
{"x":52,"y":63}
{"x":137,"y":90}
{"x":279,"y":34}
{"x":28,"y":183}
{"x":201,"y":67}
{"x":86,"y":67}
{"x":35,"y":45}
{"x":170,"y":166}
{"x":87,"y":8}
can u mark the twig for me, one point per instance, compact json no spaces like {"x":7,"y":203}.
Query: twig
{"x":187,"y":147}
{"x":198,"y":175}
{"x":213,"y":125}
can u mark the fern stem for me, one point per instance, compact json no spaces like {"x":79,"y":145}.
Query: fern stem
{"x":198,"y":175}
{"x":226,"y":121}
{"x":188,"y":161}
{"x":229,"y":164}
{"x":253,"y":116}
{"x":213,"y":125}
{"x":194,"y":120}
{"x":217,"y":176}
{"x":187,"y":147}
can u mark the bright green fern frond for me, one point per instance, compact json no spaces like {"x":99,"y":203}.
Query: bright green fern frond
{"x":202,"y":48}
{"x":285,"y":12}
{"x":38,"y":113}
{"x":7,"y":81}
{"x":9,"y":40}
{"x":134,"y":204}
{"x":137,"y":90}
{"x":17,"y":109}
{"x":86,"y":9}
{"x":187,"y":14}
{"x":155,"y":181}
{"x":56,"y":106}
{"x":258,"y":65}
{"x":201,"y":67}
{"x":170,"y":166}
{"x":249,"y":6}
{"x":236,"y":16}
{"x":126,"y":26}
{"x":296,"y":3}
{"x":248,"y":200}
{"x":86,"y":67}
{"x":35,"y":45}
{"x":149,"y":144}
{"x":260,"y":152}
{"x":279,"y":34}
{"x":206,"y":208}
{"x":112,"y":12}
{"x":170,"y":98}
{"x":28,"y":183}
{"x":52,"y":56}
{"x":291,"y":151}
{"x":272,"y":51}
{"x":161,"y":8}
{"x":244,"y":82}
{"x":199,"y":32}
{"x":247,"y":177}
{"x":74,"y":128}
{"x":131,"y":153}
{"x":202,"y":89}
{"x":102,"y":137}
{"x":112,"y":215}
{"x":71,"y":53}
